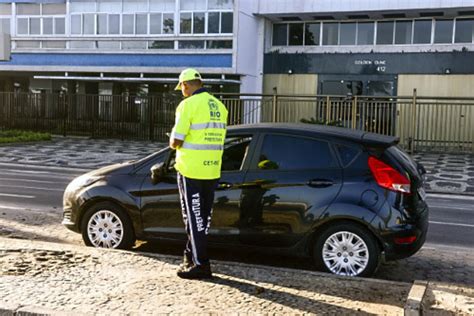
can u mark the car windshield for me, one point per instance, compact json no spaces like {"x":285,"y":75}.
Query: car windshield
{"x":138,"y":163}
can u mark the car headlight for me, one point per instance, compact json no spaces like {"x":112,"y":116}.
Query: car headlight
{"x":83,"y":181}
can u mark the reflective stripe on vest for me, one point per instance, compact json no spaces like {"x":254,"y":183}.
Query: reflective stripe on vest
{"x":202,"y":146}
{"x":201,"y":126}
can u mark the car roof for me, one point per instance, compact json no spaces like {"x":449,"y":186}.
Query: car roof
{"x":358,"y":136}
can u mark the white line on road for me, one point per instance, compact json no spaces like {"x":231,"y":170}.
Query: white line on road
{"x":451,"y":224}
{"x":79,"y":170}
{"x":34,"y":188}
{"x":451,"y":196}
{"x":46,"y":175}
{"x":18,"y":195}
{"x":28,"y":180}
{"x":451,"y":207}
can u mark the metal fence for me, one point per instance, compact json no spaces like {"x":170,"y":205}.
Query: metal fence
{"x":422,"y":123}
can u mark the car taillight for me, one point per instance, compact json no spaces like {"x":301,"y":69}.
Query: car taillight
{"x":387,"y":177}
{"x":405,"y":240}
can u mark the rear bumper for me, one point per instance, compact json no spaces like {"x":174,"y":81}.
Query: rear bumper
{"x":418,"y":228}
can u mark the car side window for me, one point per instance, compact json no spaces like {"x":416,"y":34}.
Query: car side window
{"x":280,"y":152}
{"x":235,"y":151}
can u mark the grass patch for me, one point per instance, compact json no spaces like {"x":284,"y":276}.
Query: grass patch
{"x":17,"y":136}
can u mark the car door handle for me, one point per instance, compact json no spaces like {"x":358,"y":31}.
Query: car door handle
{"x":320,"y":183}
{"x":224,"y":186}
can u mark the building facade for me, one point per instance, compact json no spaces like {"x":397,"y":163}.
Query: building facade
{"x":360,"y":47}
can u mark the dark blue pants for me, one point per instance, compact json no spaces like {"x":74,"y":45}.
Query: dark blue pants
{"x":197,"y":197}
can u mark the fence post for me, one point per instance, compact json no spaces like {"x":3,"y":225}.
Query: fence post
{"x":63,"y":101}
{"x":411,"y":139}
{"x":354,"y":112}
{"x":328,"y":109}
{"x":151,"y":104}
{"x":274,"y":103}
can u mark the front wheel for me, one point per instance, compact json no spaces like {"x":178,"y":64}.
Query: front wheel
{"x":347,"y":249}
{"x":105,"y":225}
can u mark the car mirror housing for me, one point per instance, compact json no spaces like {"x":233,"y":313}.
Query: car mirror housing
{"x":158,"y":172}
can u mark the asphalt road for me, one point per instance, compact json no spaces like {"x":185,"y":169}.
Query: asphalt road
{"x":41,"y":188}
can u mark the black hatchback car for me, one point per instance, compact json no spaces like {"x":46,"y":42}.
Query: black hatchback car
{"x":346,"y":198}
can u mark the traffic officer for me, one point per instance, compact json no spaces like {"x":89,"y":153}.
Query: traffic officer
{"x":198,"y":137}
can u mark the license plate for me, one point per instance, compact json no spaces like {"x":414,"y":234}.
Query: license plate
{"x":422,"y":193}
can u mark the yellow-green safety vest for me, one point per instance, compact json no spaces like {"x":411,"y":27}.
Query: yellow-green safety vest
{"x":201,"y":121}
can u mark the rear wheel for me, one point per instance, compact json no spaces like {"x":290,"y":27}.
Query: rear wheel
{"x":347,"y":249}
{"x":105,"y":225}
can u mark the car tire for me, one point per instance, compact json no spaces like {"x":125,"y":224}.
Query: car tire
{"x":106,"y":225}
{"x":346,"y":249}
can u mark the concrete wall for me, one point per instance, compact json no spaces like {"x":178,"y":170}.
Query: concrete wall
{"x":436,"y":85}
{"x":248,"y":54}
{"x":291,"y":84}
{"x":4,"y":46}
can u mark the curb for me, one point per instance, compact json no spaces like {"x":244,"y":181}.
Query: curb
{"x":413,"y":305}
{"x":7,"y":309}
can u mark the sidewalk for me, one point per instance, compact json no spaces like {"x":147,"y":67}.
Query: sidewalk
{"x":447,"y":172}
{"x":50,"y":278}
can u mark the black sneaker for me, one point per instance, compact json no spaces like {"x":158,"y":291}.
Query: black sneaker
{"x":186,"y":264}
{"x":196,"y":272}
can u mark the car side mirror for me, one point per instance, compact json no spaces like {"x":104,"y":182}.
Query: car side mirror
{"x":158,"y":172}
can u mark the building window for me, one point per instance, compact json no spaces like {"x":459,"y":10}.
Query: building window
{"x":114,"y":24}
{"x":102,"y":24}
{"x":108,"y":45}
{"x":403,"y":31}
{"x":59,"y":26}
{"x":198,"y":22}
{"x":219,"y":44}
{"x":280,"y":34}
{"x":311,"y":34}
{"x":76,"y":24}
{"x":168,"y":23}
{"x":385,"y":33}
{"x":191,"y":44}
{"x":88,"y":24}
{"x":330,"y":33}
{"x":48,"y":26}
{"x":138,"y":45}
{"x":443,"y":31}
{"x":365,"y":33}
{"x":161,"y":45}
{"x":53,"y":44}
{"x":348,"y":33}
{"x":128,"y":21}
{"x":141,"y":24}
{"x":295,"y":34}
{"x":155,"y":23}
{"x":464,"y":31}
{"x":422,"y":32}
{"x":185,"y":23}
{"x":227,"y":21}
{"x":22,"y":26}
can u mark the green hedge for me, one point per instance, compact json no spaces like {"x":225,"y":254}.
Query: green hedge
{"x":17,"y":136}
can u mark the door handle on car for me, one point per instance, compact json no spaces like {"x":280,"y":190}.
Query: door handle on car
{"x":320,"y":183}
{"x":224,"y":186}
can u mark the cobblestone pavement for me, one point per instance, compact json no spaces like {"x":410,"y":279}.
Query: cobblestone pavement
{"x":86,"y":280}
{"x":447,"y":173}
